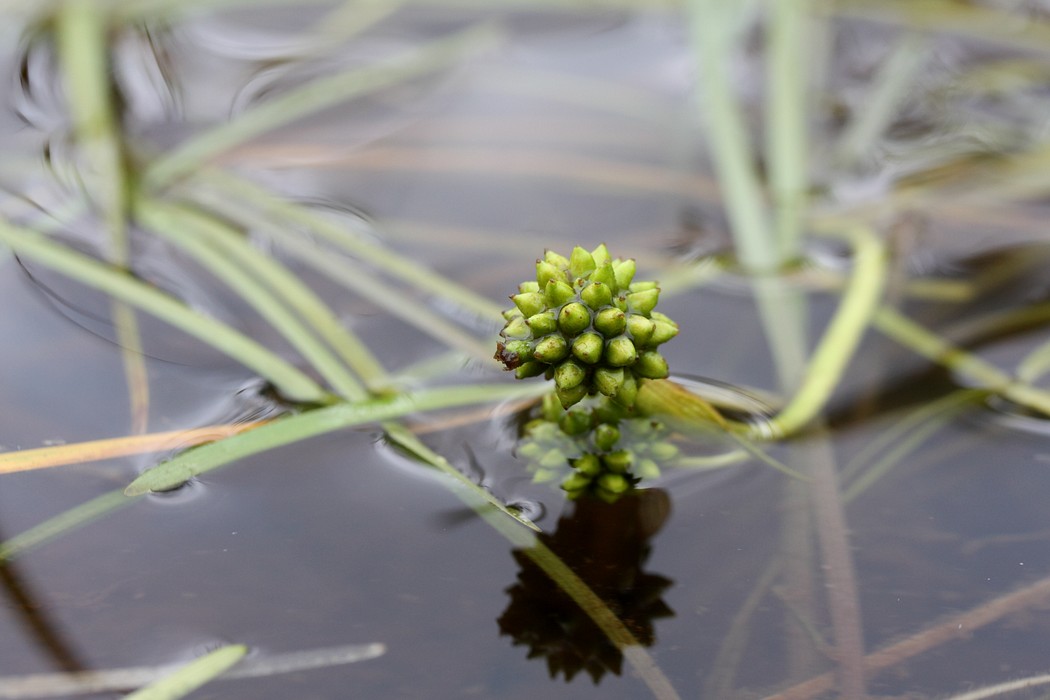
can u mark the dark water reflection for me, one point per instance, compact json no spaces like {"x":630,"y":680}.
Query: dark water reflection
{"x":578,"y":130}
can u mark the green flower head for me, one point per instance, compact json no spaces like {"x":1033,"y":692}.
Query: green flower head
{"x":585,"y":323}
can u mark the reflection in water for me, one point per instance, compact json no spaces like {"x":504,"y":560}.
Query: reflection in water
{"x":606,"y":544}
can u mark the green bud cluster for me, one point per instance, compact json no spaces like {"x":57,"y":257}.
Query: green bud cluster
{"x":585,"y":323}
{"x":607,"y":452}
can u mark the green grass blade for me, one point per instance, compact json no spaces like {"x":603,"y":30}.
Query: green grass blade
{"x":193,"y":675}
{"x":897,"y":72}
{"x":219,"y":187}
{"x":289,"y":429}
{"x":313,"y":97}
{"x":290,"y":382}
{"x":715,"y":25}
{"x":787,"y":130}
{"x":227,"y":255}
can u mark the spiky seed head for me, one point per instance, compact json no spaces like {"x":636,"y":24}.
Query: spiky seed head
{"x":651,"y":365}
{"x":610,"y":322}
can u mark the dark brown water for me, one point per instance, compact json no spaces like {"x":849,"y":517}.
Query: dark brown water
{"x":575,"y":129}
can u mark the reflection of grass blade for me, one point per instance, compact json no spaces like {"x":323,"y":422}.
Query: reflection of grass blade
{"x":252,"y":275}
{"x":292,"y":383}
{"x":345,"y":273}
{"x":291,"y":429}
{"x":193,"y":675}
{"x":62,"y":523}
{"x":53,"y":685}
{"x":220,"y":187}
{"x":312,"y":97}
{"x":908,"y":435}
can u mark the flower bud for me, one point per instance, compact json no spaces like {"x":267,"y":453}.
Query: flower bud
{"x":581,"y":263}
{"x":542,"y":324}
{"x":640,"y":328}
{"x":546,"y":272}
{"x":620,"y":352}
{"x":550,"y":349}
{"x":642,"y":286}
{"x":571,"y":397}
{"x":514,"y":353}
{"x":664,"y":331}
{"x":628,"y":392}
{"x":516,"y":328}
{"x":644,"y":301}
{"x":575,"y":483}
{"x":650,"y":365}
{"x":605,"y":275}
{"x":596,"y":295}
{"x":575,"y":422}
{"x":529,"y":369}
{"x":530,"y":286}
{"x":589,"y":465}
{"x":607,"y":380}
{"x":601,"y":255}
{"x":647,"y":469}
{"x":624,"y":272}
{"x":559,"y":261}
{"x":610,"y":321}
{"x":557,"y":293}
{"x":606,"y":436}
{"x":568,"y":375}
{"x":574,"y":317}
{"x":588,"y":347}
{"x":618,"y":462}
{"x":612,"y":486}
{"x":530,"y":303}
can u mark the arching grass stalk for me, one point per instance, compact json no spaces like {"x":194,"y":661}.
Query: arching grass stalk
{"x":214,"y":187}
{"x":263,"y":283}
{"x":344,"y":272}
{"x":288,"y":380}
{"x":843,"y":334}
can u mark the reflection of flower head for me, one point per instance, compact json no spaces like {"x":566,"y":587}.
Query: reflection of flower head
{"x":606,"y":545}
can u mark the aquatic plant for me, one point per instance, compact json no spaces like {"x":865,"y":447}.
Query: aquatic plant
{"x":586,"y":323}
